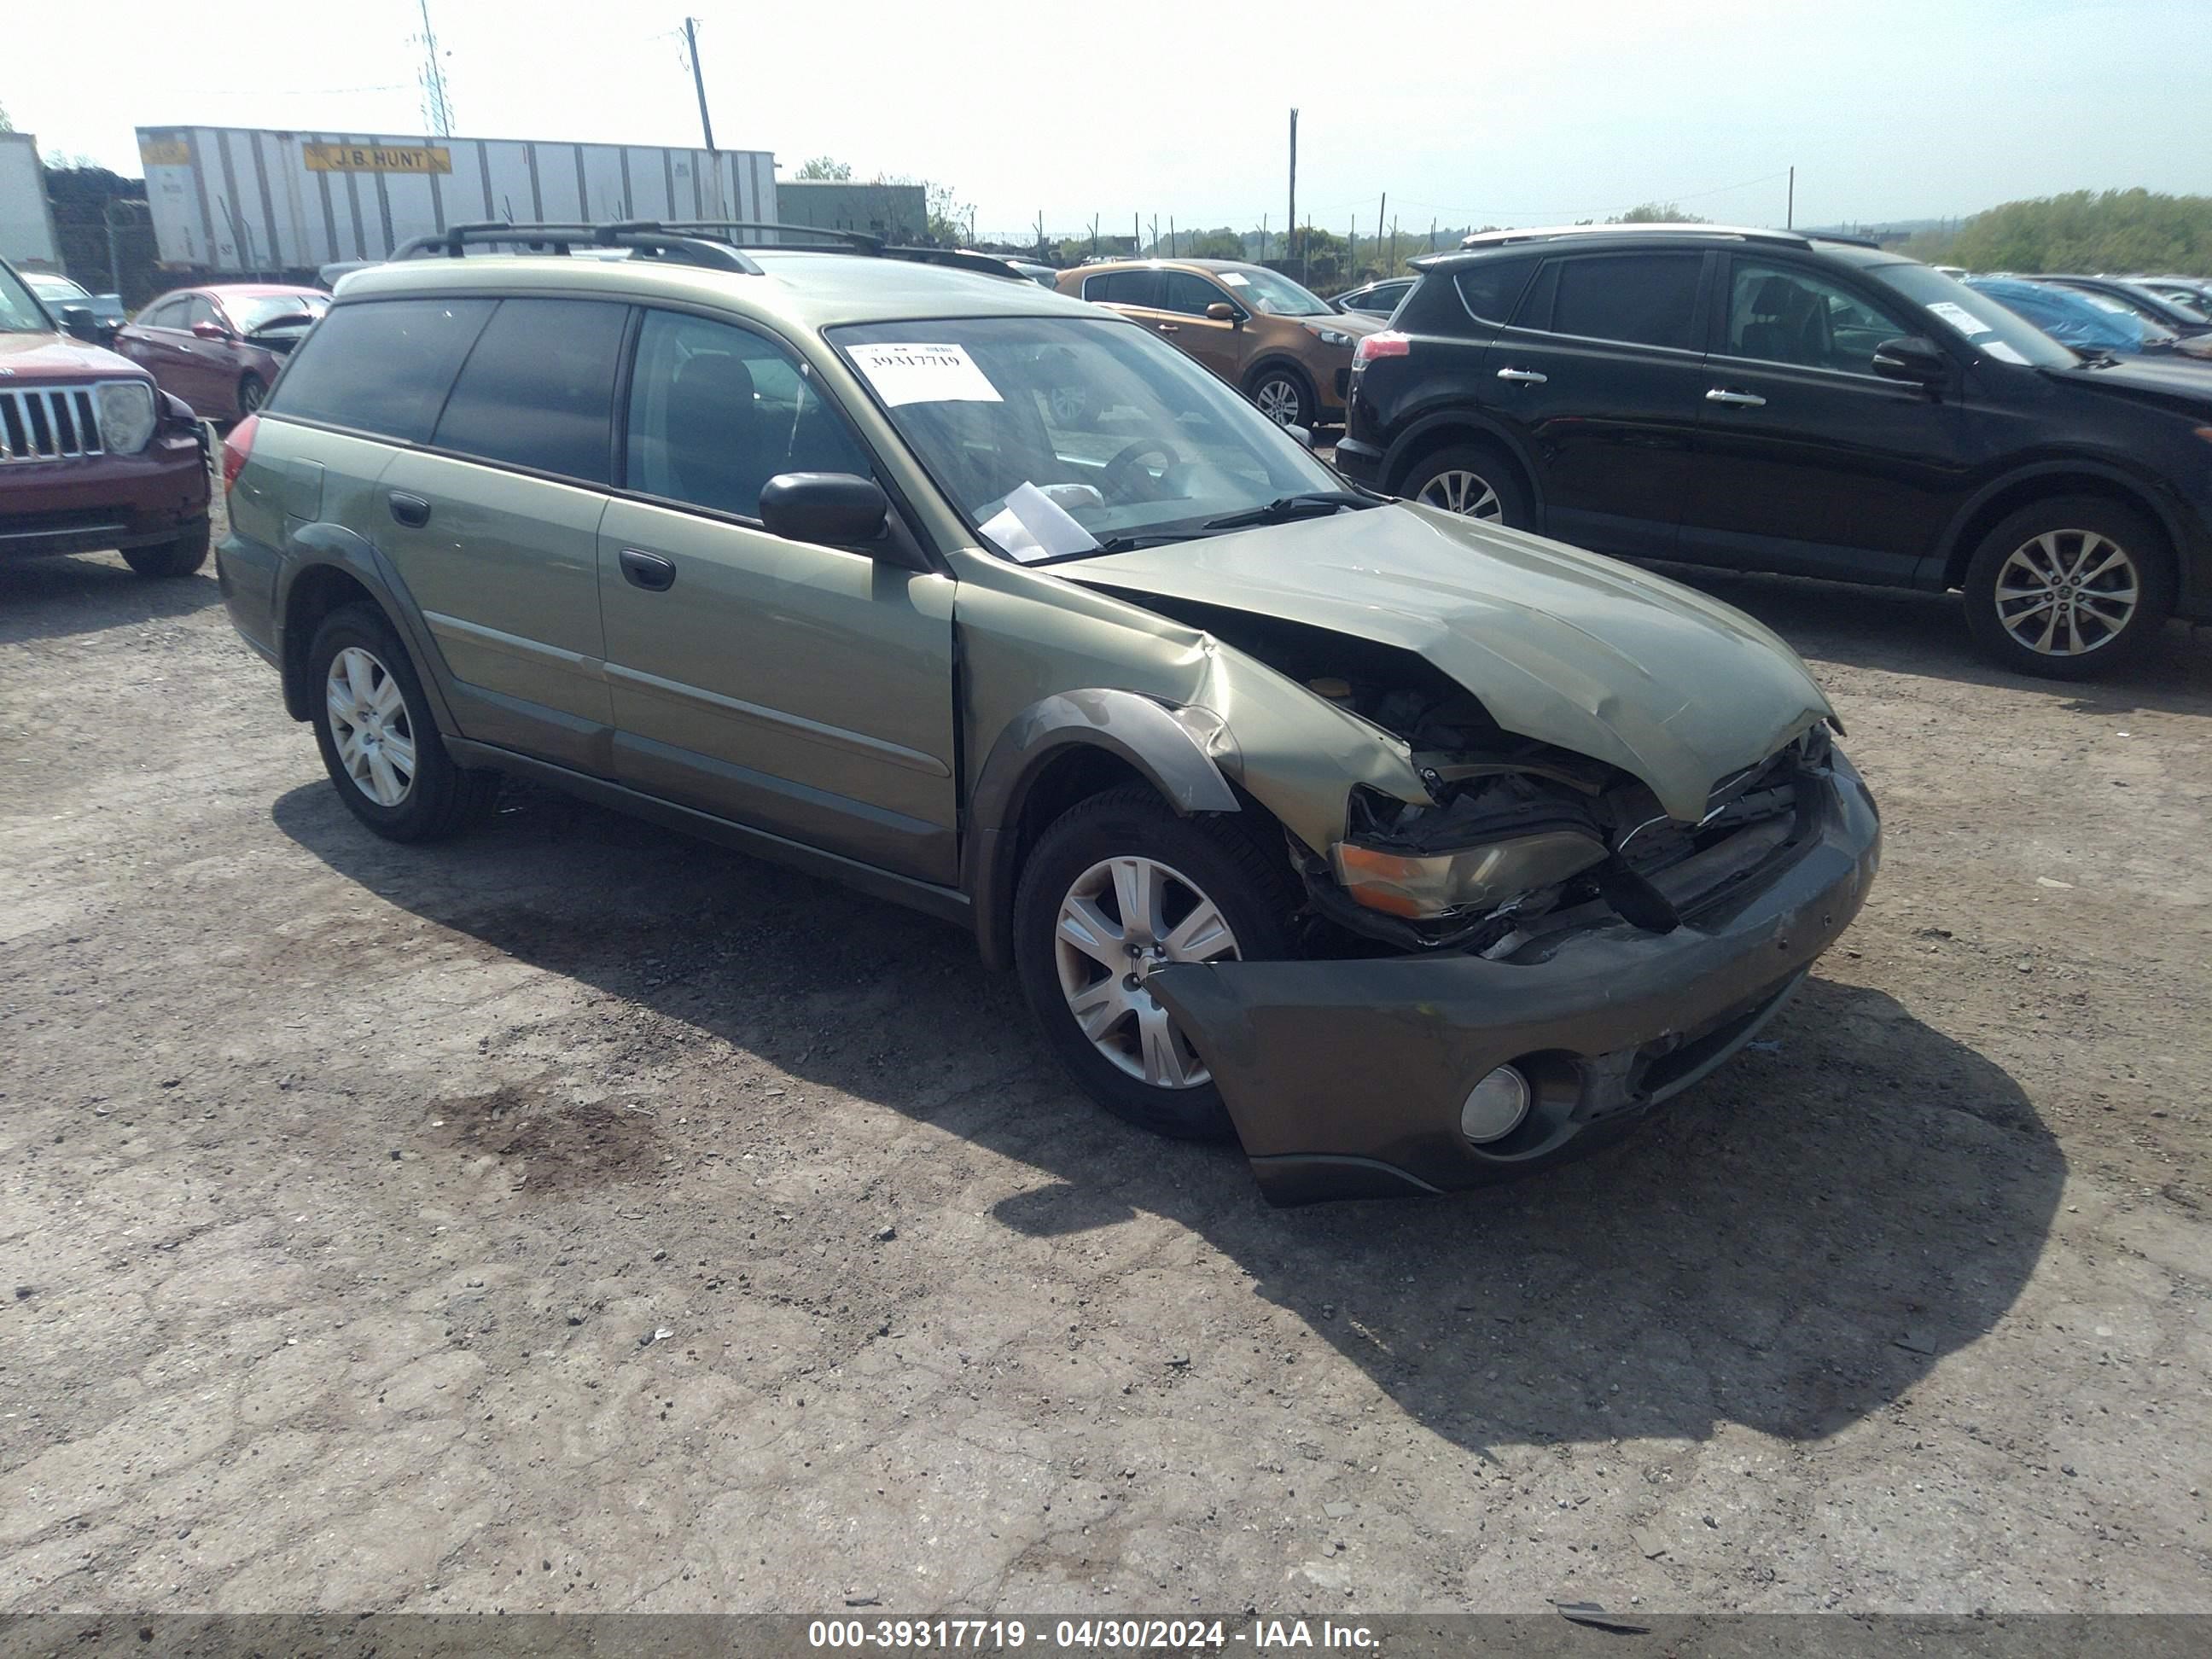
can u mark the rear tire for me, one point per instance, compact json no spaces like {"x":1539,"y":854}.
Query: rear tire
{"x":379,"y":740}
{"x":180,"y":557}
{"x":2069,"y":588}
{"x":1203,"y":861}
{"x":1473,"y":480}
{"x":250,"y":393}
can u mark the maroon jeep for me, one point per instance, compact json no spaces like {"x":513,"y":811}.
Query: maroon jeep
{"x":92,"y":455}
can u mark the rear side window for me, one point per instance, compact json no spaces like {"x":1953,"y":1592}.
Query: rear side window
{"x":538,"y":388}
{"x":1642,"y":298}
{"x":1125,"y":288}
{"x":1491,"y":288}
{"x":382,"y":365}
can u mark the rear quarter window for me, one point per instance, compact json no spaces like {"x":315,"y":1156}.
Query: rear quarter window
{"x":1489,"y":289}
{"x":538,"y":388}
{"x":382,"y":366}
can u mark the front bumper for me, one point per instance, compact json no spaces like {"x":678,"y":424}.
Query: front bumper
{"x":1345,"y":1078}
{"x":1361,"y":463}
{"x":89,"y":504}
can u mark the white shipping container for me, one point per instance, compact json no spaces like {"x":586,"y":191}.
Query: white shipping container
{"x":26,"y":218}
{"x":240,"y":199}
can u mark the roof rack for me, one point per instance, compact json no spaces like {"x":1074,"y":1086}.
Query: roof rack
{"x":1743,"y":232}
{"x":853,"y":241}
{"x":642,"y":237}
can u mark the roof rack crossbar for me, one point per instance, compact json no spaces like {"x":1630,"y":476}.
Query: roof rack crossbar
{"x":642,"y":237}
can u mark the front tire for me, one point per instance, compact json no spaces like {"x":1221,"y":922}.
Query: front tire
{"x":1472,"y":481}
{"x":1284,"y":396}
{"x":1117,"y":886}
{"x":180,"y":557}
{"x":2069,"y":588}
{"x":378,"y":742}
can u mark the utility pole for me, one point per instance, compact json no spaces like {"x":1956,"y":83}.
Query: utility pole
{"x":1263,"y":239}
{"x":1171,"y":236}
{"x":699,"y":81}
{"x":1789,"y":217}
{"x":1094,"y":235}
{"x":1379,"y":206}
{"x":1156,"y":236}
{"x":1432,"y":236}
{"x":1136,"y":235}
{"x":437,"y":104}
{"x":1291,"y":223}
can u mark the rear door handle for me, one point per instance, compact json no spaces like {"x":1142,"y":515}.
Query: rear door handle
{"x":1736,"y":399}
{"x":410,"y":510}
{"x":1522,"y":376}
{"x":648,"y":570}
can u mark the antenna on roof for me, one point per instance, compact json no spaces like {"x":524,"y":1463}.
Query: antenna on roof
{"x":437,"y":102}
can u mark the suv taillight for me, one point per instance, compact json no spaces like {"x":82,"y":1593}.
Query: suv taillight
{"x":1389,"y":343}
{"x":235,"y":448}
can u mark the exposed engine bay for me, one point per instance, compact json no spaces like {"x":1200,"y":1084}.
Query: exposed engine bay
{"x":1542,"y":840}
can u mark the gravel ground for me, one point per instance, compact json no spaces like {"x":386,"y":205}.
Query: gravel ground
{"x":579,"y":1218}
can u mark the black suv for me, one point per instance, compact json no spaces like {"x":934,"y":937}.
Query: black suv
{"x":1770,"y":401}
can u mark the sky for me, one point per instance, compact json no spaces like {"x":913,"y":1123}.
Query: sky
{"x":1463,"y":112}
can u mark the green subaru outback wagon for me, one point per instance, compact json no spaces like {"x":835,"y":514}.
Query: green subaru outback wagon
{"x":1411,"y":851}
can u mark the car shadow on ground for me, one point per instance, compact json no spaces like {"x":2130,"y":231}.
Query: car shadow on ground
{"x":1900,"y":631}
{"x":1792,"y":1246}
{"x":89,"y":593}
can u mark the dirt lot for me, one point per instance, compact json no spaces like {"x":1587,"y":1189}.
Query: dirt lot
{"x":578,"y":1218}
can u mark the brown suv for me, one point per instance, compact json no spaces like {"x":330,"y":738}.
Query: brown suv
{"x":1283,"y":347}
{"x":92,"y":455}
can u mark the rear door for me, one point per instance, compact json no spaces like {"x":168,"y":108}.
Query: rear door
{"x":1598,"y":375}
{"x":157,"y":341}
{"x":802,"y":689}
{"x":494,"y":526}
{"x":1808,"y":461}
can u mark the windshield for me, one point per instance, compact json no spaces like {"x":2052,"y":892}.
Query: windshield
{"x":2070,"y":318}
{"x":1974,"y":318}
{"x":1056,"y":436}
{"x":260,"y":311}
{"x":55,"y":287}
{"x":20,"y":313}
{"x":1273,"y":293}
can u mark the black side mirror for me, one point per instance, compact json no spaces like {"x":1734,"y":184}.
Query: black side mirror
{"x":1912,"y":359}
{"x":78,"y":322}
{"x":838,"y":509}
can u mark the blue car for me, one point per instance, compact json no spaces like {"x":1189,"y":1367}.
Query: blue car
{"x":2073,"y":318}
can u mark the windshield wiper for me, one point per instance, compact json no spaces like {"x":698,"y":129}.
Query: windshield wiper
{"x":1308,"y":504}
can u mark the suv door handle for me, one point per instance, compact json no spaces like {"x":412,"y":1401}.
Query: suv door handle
{"x":648,"y":570}
{"x":1522,"y":376}
{"x":410,"y":510}
{"x":1738,"y":400}
{"x":1169,"y":328}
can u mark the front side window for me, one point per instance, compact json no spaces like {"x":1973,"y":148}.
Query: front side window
{"x":202,"y":310}
{"x":1780,"y":314}
{"x":1182,"y":292}
{"x":1639,"y":299}
{"x":715,"y":411}
{"x":382,"y":366}
{"x":170,"y":314}
{"x":1120,"y":437}
{"x":538,"y":388}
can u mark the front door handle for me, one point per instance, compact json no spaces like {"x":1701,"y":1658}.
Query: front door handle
{"x":1522,"y":376}
{"x":648,"y":570}
{"x":410,"y":510}
{"x":1736,"y":399}
{"x":1169,"y":328}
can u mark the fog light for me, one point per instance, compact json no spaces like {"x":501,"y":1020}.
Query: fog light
{"x":1495,"y":1106}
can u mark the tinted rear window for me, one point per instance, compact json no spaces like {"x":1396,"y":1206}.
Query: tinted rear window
{"x":1490,"y":288}
{"x":1644,"y":298}
{"x":538,"y":388}
{"x":383,"y":365}
{"x":1124,"y":287}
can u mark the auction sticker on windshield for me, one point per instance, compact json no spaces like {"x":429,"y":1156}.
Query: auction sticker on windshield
{"x":1960,"y":318}
{"x":924,"y":375}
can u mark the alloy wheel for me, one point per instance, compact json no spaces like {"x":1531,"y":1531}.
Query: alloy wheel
{"x":1121,"y":919}
{"x":1468,"y":494}
{"x":2066,"y":592}
{"x":1278,"y":399}
{"x":371,"y":725}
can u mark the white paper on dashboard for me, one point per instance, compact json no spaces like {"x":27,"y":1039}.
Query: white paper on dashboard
{"x":1235,"y":279}
{"x":2001,"y":352}
{"x":1960,"y":318}
{"x":925,"y":374}
{"x":1031,"y":526}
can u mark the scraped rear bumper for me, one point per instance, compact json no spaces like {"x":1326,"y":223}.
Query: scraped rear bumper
{"x":1345,"y":1078}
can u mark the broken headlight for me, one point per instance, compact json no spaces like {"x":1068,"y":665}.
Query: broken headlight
{"x":1468,"y":878}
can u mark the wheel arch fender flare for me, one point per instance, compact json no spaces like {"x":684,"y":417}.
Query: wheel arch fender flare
{"x":1468,"y":425}
{"x":1282,"y":360}
{"x":323,"y":547}
{"x":1981,"y":511}
{"x":1173,"y":749}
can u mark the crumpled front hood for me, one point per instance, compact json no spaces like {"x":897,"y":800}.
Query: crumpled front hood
{"x":1562,"y":645}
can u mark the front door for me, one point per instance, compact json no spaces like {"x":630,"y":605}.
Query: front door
{"x":1808,"y":462}
{"x":1218,"y":344}
{"x":801,"y":689}
{"x":1600,"y":374}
